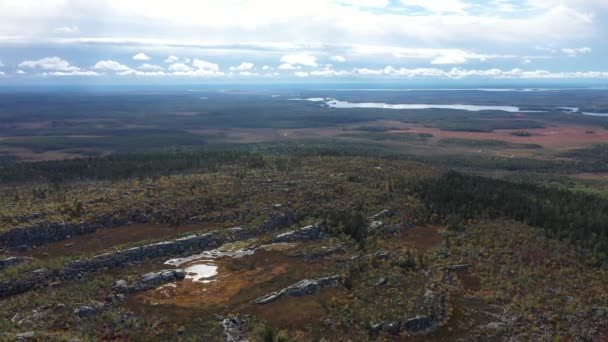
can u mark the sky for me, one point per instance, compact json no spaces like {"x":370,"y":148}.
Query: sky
{"x":131,"y":41}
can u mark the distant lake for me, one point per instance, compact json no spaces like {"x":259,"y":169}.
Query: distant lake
{"x":595,"y":114}
{"x":333,"y":103}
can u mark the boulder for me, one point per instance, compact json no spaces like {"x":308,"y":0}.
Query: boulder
{"x":308,"y":233}
{"x":26,"y":336}
{"x":302,"y":288}
{"x":419,"y":324}
{"x":11,"y":261}
{"x":85,"y":311}
{"x":455,"y":268}
{"x":382,"y":214}
{"x":233,"y":329}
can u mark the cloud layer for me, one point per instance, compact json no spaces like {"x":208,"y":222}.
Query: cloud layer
{"x":311,"y":39}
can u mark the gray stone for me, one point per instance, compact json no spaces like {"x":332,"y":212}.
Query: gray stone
{"x":30,"y":335}
{"x":302,"y":288}
{"x":308,"y":233}
{"x":382,"y":281}
{"x":419,"y":324}
{"x":375,"y":225}
{"x":382,"y":214}
{"x":392,"y":328}
{"x":461,"y":267}
{"x":85,"y":311}
{"x":11,"y":261}
{"x":233,"y":329}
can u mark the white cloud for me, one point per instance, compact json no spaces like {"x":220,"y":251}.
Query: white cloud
{"x":141,"y":57}
{"x":439,"y":6}
{"x":300,"y":59}
{"x":49,"y":63}
{"x":151,"y":67}
{"x":436,"y":56}
{"x":338,"y":59}
{"x":110,"y":66}
{"x":527,"y":61}
{"x":242,"y":67}
{"x":21,"y":72}
{"x":449,"y":60}
{"x":73,"y":73}
{"x":179,"y":67}
{"x":67,"y":30}
{"x":248,"y":73}
{"x":266,"y":67}
{"x":366,"y":3}
{"x":2,"y":74}
{"x":171,"y":59}
{"x":573,"y":52}
{"x":204,"y":65}
{"x":287,"y":66}
{"x":142,"y":73}
{"x":1,"y":64}
{"x":301,"y":74}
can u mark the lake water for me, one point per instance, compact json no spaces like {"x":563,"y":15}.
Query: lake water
{"x":333,"y":103}
{"x":595,"y":114}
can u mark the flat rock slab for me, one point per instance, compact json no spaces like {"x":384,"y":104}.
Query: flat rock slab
{"x":302,"y":288}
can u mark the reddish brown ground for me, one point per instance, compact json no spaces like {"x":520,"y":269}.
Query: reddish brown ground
{"x":469,"y":281}
{"x":558,"y":137}
{"x":239,"y":281}
{"x":108,"y":238}
{"x":422,"y":238}
{"x":294,"y":313}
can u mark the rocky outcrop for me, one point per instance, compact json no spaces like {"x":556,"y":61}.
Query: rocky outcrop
{"x":302,"y":288}
{"x":279,"y":221}
{"x":78,"y":268}
{"x":455,"y":268}
{"x":26,"y":283}
{"x":308,"y":233}
{"x":382,"y":214}
{"x":233,"y":329}
{"x":47,"y":232}
{"x":150,"y":280}
{"x":11,"y":261}
{"x":192,"y":243}
{"x":419,"y":324}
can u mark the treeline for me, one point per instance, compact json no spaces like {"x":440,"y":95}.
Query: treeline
{"x":121,"y":166}
{"x":574,"y":216}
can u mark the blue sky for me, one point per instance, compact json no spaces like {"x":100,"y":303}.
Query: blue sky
{"x":131,"y":41}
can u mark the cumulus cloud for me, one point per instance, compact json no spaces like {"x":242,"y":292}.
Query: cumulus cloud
{"x":110,"y":65}
{"x":21,"y":72}
{"x":179,"y":67}
{"x":266,"y":67}
{"x":204,"y":65}
{"x":151,"y":67}
{"x":287,"y":66}
{"x":141,"y":57}
{"x":300,"y":59}
{"x":573,"y":52}
{"x":338,"y":59}
{"x":67,"y":30}
{"x":242,"y":67}
{"x":49,"y":63}
{"x":301,"y":74}
{"x":72,"y":73}
{"x":171,"y":59}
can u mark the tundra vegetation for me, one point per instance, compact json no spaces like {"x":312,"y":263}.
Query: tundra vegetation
{"x":358,"y":235}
